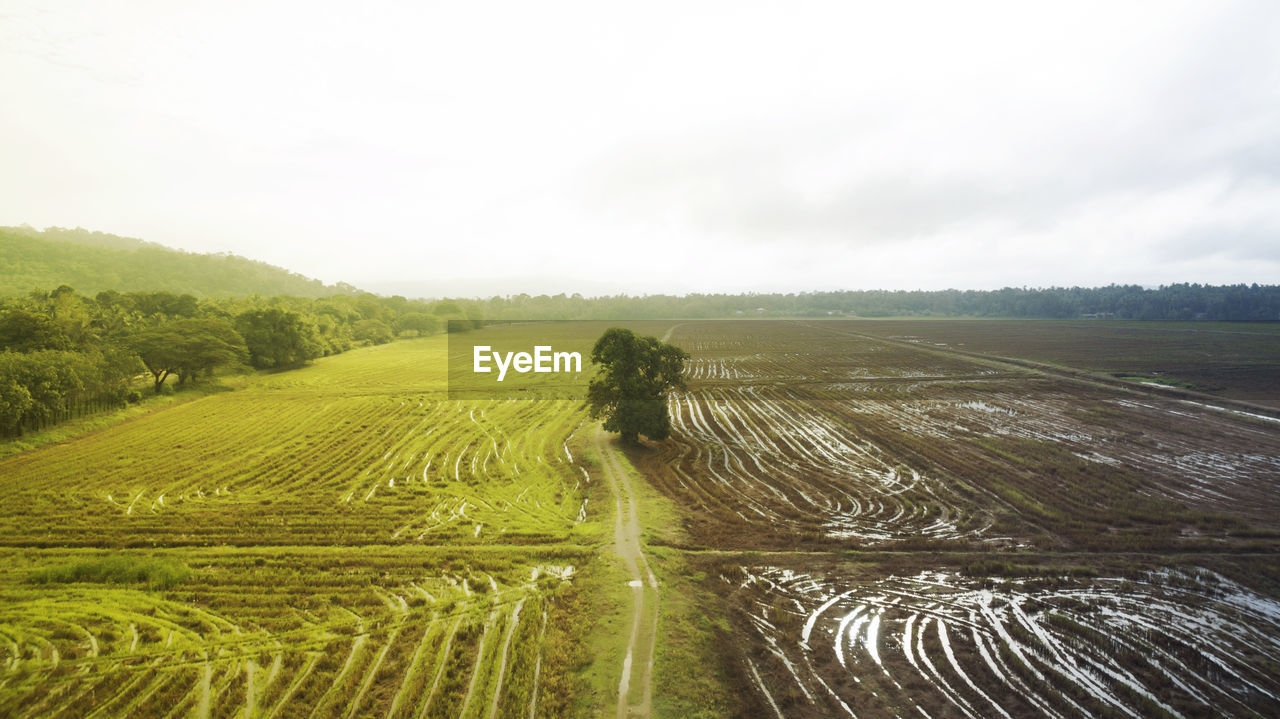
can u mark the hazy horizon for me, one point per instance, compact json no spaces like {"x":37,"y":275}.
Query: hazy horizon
{"x":474,"y":151}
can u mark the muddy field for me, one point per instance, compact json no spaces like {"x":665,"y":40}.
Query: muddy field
{"x":847,"y":640}
{"x":1239,"y":360}
{"x":812,"y":439}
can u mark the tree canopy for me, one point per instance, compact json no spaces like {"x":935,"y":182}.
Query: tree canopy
{"x":63,"y":354}
{"x":630,"y":387}
{"x":278,"y":338}
{"x":188,"y":347}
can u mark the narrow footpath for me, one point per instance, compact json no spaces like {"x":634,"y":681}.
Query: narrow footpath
{"x":635,"y":687}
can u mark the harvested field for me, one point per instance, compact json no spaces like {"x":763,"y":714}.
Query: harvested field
{"x":966,"y":478}
{"x":1165,"y":642}
{"x":1238,"y":360}
{"x":341,"y":540}
{"x":834,"y":439}
{"x":319,"y":458}
{"x":279,"y":633}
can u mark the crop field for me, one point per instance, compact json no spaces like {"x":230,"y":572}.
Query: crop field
{"x":817,"y":439}
{"x":356,"y":464}
{"x":794,"y":432}
{"x":284,"y":633}
{"x":872,"y":525}
{"x":340,"y":540}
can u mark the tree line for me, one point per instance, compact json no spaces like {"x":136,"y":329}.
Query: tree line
{"x":1167,"y":302}
{"x":63,"y":354}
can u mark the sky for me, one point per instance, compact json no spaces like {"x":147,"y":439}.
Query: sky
{"x":474,"y":149}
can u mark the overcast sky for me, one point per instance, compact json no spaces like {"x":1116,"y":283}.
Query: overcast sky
{"x":478,"y":149}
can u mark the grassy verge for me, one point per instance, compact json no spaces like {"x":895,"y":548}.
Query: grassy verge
{"x":662,"y":520}
{"x":600,"y":618}
{"x":691,"y":673}
{"x":598,"y":615}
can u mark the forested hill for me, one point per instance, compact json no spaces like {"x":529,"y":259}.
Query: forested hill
{"x":95,"y":261}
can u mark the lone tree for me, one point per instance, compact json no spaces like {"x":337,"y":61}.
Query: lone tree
{"x":629,"y":389}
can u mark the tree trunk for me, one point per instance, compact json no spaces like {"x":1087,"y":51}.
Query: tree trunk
{"x":631,"y":438}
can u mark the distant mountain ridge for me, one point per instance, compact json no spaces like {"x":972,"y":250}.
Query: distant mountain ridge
{"x":94,"y":261}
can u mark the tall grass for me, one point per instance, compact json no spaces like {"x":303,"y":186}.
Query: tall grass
{"x":154,"y":572}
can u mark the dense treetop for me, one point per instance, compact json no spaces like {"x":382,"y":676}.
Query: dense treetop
{"x":630,"y":388}
{"x":63,"y":353}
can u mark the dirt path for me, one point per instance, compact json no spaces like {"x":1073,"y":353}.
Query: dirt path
{"x":637,"y":667}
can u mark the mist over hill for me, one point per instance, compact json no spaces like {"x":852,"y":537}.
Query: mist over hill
{"x":90,"y":262}
{"x":95,"y":261}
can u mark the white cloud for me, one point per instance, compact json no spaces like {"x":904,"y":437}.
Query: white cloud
{"x":665,"y":147}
